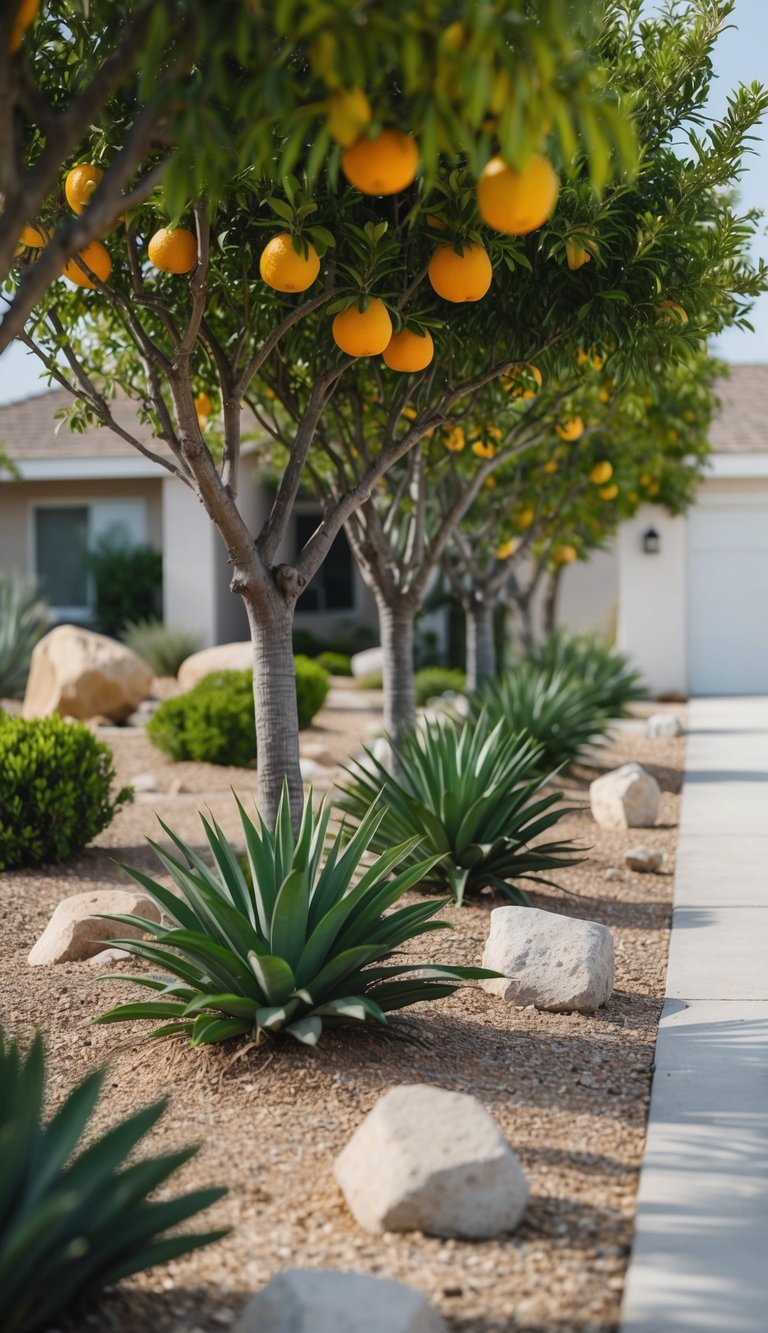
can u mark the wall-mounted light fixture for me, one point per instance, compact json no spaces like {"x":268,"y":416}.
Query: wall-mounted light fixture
{"x":651,"y":542}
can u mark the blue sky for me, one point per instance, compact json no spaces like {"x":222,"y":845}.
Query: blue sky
{"x":741,"y":56}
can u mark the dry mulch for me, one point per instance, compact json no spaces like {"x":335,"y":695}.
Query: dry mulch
{"x":570,"y":1092}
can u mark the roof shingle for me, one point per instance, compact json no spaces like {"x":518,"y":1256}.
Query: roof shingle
{"x":741,"y":425}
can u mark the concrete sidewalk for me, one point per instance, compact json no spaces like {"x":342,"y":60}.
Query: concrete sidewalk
{"x":700,"y":1257}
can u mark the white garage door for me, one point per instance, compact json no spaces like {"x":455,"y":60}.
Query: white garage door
{"x":728,"y":599}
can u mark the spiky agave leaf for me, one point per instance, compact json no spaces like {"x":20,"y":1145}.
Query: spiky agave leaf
{"x":560,"y":710}
{"x":24,"y":619}
{"x":616,"y":683}
{"x":471,"y":794}
{"x":295,"y":945}
{"x":74,"y":1218}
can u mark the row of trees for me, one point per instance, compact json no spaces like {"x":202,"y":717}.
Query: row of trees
{"x":643,"y":259}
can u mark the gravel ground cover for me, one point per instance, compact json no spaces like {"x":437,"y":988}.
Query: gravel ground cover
{"x":570,"y":1092}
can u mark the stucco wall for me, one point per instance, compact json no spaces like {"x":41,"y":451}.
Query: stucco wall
{"x":18,"y":498}
{"x":653,"y":599}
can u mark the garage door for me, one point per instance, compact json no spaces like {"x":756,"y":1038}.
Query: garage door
{"x":728,"y":599}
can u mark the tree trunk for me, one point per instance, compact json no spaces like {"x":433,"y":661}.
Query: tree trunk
{"x":277,"y":719}
{"x":523,"y":607}
{"x":481,"y":647}
{"x":397,"y":626}
{"x":549,"y":608}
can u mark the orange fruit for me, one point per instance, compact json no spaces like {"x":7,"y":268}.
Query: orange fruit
{"x":483,"y":450}
{"x":202,"y":420}
{"x":203,"y":405}
{"x":96,"y":256}
{"x":645,"y":479}
{"x":490,"y":483}
{"x":601,"y":473}
{"x":654,"y":488}
{"x":518,"y":383}
{"x":456,"y":277}
{"x":348,"y":115}
{"x":25,"y":14}
{"x":609,"y":492}
{"x":551,"y":467}
{"x":284,"y":270}
{"x":80,"y":184}
{"x":34,"y":237}
{"x":575,"y":254}
{"x":454,"y":440}
{"x":173,"y":250}
{"x":381,"y":166}
{"x":363,"y":332}
{"x":516,"y":202}
{"x":506,"y":549}
{"x":409,"y":351}
{"x":565,"y":555}
{"x":526,"y":518}
{"x":570,"y":430}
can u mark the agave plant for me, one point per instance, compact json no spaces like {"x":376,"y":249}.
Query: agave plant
{"x":290,"y":947}
{"x":561,"y":711}
{"x":23,"y":621}
{"x":74,"y":1218}
{"x":609,"y":672}
{"x":472,"y":795}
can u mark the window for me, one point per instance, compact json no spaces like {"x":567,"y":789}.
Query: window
{"x":333,"y":587}
{"x":63,"y":533}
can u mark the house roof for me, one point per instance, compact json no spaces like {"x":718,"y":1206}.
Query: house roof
{"x":28,"y":430}
{"x":741,"y":425}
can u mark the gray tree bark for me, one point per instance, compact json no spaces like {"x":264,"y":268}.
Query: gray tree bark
{"x":274,"y":693}
{"x":549,"y":609}
{"x":481,"y":647}
{"x":396,"y":622}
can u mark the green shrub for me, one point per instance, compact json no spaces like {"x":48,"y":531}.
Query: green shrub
{"x":312,"y":686}
{"x":289,"y":948}
{"x":431,"y":681}
{"x":162,"y":647}
{"x":336,"y":664}
{"x":470,"y":795}
{"x":74,"y":1216}
{"x":128,"y":583}
{"x":560,"y":711}
{"x":215,"y":723}
{"x":55,"y":781}
{"x":23,"y":621}
{"x":588,"y":658}
{"x":306,"y":644}
{"x":373,"y":682}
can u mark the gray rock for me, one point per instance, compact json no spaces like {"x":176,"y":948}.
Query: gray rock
{"x":554,"y":962}
{"x":76,"y":930}
{"x":144,"y":782}
{"x":626,"y":798}
{"x":429,"y":1160}
{"x":81,"y":674}
{"x":613,"y":873}
{"x":664,"y":725}
{"x":303,"y":1300}
{"x":644,"y":859}
{"x":368,"y":663}
{"x":222,"y":657}
{"x":310,"y":770}
{"x":108,"y":956}
{"x":318,"y":753}
{"x":176,"y":787}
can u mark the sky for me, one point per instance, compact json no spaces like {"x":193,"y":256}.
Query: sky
{"x":741,"y":55}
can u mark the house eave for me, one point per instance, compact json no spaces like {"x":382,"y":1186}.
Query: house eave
{"x":87,"y":469}
{"x":737,"y":466}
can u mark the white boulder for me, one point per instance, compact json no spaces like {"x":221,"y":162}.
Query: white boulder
{"x":370,"y":662}
{"x":144,"y":782}
{"x":429,"y":1160}
{"x":644,"y":859}
{"x":82,"y":675}
{"x":663,"y":725}
{"x":303,"y":1300}
{"x":222,"y":657}
{"x":559,"y":963}
{"x":626,"y":798}
{"x":76,"y":930}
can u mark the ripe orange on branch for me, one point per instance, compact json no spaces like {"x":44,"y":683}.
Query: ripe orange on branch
{"x":283,"y":269}
{"x":381,"y":166}
{"x":80,"y":184}
{"x":363,"y":332}
{"x":348,"y":115}
{"x":173,"y":250}
{"x":570,"y":430}
{"x":516,"y":202}
{"x":33,"y":238}
{"x":565,"y":555}
{"x":409,"y":352}
{"x":464,"y":277}
{"x":26,"y":13}
{"x":203,"y":405}
{"x":96,"y":257}
{"x":601,"y":473}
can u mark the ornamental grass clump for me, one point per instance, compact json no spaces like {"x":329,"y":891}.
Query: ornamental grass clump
{"x":24,"y":619}
{"x":473,"y":796}
{"x":76,"y":1216}
{"x":609,"y":673}
{"x":562,"y":712}
{"x":291,"y":946}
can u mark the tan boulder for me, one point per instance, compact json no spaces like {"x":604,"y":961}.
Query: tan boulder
{"x":222,"y":657}
{"x":81,"y":674}
{"x":76,"y":929}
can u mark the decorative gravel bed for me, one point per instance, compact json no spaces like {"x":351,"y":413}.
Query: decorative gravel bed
{"x":570,"y":1092}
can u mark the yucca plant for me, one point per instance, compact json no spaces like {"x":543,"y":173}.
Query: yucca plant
{"x":75,"y":1218}
{"x":24,"y":620}
{"x":472,"y":795}
{"x":562,"y":712}
{"x":291,"y":946}
{"x":588,"y":658}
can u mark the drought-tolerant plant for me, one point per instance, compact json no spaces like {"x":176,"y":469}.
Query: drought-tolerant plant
{"x":291,"y":946}
{"x":161,"y":646}
{"x":470,"y":794}
{"x":128,"y":581}
{"x":24,"y":620}
{"x":589,"y":658}
{"x":55,"y":789}
{"x":431,"y":681}
{"x":561,"y":711}
{"x":336,"y":664}
{"x":75,"y":1217}
{"x":213,"y":723}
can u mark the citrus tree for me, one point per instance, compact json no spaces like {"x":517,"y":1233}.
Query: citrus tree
{"x":282,"y":297}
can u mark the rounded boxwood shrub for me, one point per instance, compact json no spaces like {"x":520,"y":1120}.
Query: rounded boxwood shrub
{"x":214,"y":722}
{"x":55,"y":789}
{"x":433,"y":681}
{"x":337,"y":664}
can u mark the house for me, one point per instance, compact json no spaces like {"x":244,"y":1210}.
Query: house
{"x":71,"y":489}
